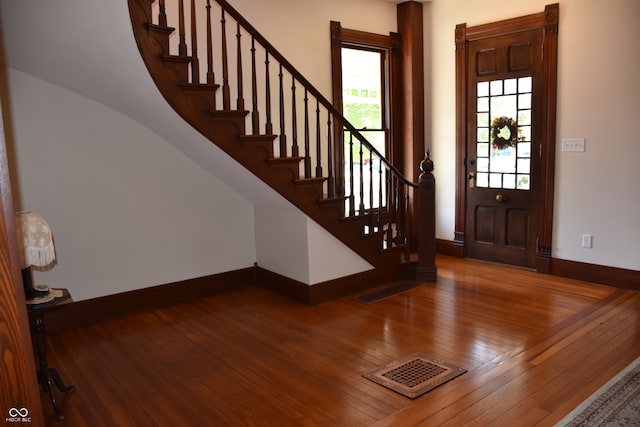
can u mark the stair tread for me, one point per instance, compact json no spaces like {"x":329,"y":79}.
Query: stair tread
{"x":286,"y":160}
{"x":258,"y":137}
{"x":231,"y":113}
{"x":361,"y":217}
{"x":176,"y":58}
{"x":160,"y":28}
{"x":200,"y":86}
{"x":333,"y":199}
{"x":310,"y":181}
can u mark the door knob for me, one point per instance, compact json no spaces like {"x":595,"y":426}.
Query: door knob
{"x":501,"y":198}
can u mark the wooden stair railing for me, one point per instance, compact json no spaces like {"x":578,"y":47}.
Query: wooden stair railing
{"x":363,"y":200}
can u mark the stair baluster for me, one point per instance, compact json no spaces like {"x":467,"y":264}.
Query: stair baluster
{"x":294,"y":120}
{"x":162,"y":16}
{"x":195,"y":63}
{"x":352,"y":200}
{"x":361,"y":210}
{"x":211,"y":78}
{"x":283,"y":134}
{"x":240,"y":76}
{"x":226,"y":89}
{"x":319,"y":173}
{"x":182,"y":47}
{"x":330,"y":161}
{"x":307,"y":136}
{"x":268,"y":129}
{"x":255,"y":115}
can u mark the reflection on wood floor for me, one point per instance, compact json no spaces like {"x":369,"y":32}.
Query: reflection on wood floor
{"x":534,"y":347}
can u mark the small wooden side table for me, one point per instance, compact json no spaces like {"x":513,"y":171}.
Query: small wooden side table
{"x":46,"y":374}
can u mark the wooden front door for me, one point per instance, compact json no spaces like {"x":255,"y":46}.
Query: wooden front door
{"x":505,"y":138}
{"x":504,"y":82}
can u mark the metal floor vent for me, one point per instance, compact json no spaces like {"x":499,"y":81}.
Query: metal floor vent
{"x":414,"y":375}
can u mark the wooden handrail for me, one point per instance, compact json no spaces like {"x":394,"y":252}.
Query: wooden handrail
{"x":275,"y":54}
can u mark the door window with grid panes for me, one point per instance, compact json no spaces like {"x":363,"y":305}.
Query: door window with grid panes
{"x":503,"y":142}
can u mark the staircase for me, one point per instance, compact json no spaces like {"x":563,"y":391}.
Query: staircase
{"x":239,"y":87}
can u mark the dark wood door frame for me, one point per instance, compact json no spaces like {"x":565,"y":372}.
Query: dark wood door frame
{"x":548,"y":21}
{"x":19,"y":389}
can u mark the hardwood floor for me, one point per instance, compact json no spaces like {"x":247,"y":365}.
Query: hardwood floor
{"x":534,"y":346}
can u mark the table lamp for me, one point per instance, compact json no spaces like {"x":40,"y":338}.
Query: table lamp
{"x":35,"y":245}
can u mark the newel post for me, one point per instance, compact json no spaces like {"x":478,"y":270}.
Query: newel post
{"x":426,"y":217}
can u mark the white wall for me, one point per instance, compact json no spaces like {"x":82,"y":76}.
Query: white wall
{"x":328,"y":258}
{"x":281,"y":242}
{"x":598,"y":99}
{"x":291,"y":244}
{"x":299,"y":29}
{"x":126,"y":208}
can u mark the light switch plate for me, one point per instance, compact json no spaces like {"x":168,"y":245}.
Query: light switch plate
{"x":573,"y":144}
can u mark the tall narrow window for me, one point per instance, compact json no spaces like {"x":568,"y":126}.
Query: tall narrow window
{"x":363,"y":94}
{"x":363,"y":105}
{"x":363,"y":84}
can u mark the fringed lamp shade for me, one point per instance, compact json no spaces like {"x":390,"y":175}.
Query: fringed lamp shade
{"x":35,"y":240}
{"x":35,"y":244}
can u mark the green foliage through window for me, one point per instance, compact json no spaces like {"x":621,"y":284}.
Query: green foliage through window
{"x":363,"y":115}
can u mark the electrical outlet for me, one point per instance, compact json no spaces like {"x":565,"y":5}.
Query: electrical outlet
{"x":573,"y":144}
{"x":587,"y":241}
